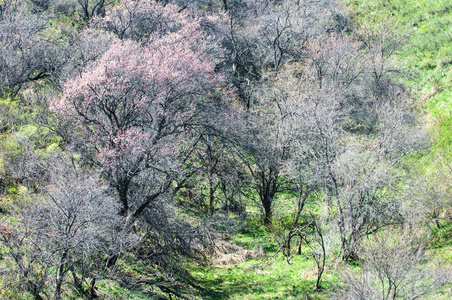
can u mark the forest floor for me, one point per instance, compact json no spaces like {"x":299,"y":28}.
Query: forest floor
{"x":268,"y":277}
{"x":274,"y":277}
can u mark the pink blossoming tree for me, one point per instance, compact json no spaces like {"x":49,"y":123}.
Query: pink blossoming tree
{"x":135,"y":107}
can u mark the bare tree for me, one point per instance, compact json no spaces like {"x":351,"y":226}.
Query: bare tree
{"x":395,"y":267}
{"x":259,"y":45}
{"x":88,"y":45}
{"x":264,"y":35}
{"x":348,"y":139}
{"x":144,"y":20}
{"x":318,"y":245}
{"x":69,"y":229}
{"x":267,"y":154}
{"x":26,"y":53}
{"x":427,"y":194}
{"x":91,"y":8}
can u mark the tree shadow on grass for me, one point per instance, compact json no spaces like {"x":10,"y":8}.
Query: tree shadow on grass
{"x":252,"y":285}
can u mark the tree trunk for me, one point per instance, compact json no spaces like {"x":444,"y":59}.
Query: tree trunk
{"x":60,"y":277}
{"x":77,"y":281}
{"x":347,"y":252}
{"x":212,"y":190}
{"x":267,"y":203}
{"x":92,"y":289}
{"x":123,"y":189}
{"x":267,"y":193}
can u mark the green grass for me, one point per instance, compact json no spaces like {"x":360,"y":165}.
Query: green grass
{"x":265,"y":279}
{"x":425,"y":27}
{"x":442,"y":237}
{"x":268,"y":277}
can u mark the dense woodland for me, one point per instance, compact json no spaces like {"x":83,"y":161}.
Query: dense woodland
{"x":148,"y":145}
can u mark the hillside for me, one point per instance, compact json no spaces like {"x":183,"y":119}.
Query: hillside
{"x":424,"y":31}
{"x":225,"y":149}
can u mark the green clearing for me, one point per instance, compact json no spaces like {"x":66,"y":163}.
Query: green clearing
{"x":269,"y":277}
{"x":259,"y":280}
{"x":272,"y":277}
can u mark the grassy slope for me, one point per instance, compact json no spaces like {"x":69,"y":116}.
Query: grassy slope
{"x":426,"y":27}
{"x":427,"y":55}
{"x":266,"y":278}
